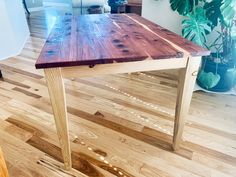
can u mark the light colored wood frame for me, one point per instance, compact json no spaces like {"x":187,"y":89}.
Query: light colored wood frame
{"x":56,"y":91}
{"x":126,"y":67}
{"x":54,"y":76}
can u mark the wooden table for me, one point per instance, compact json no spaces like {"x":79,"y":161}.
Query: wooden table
{"x":92,"y":45}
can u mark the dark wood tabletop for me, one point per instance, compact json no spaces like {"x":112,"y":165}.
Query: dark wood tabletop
{"x":109,"y":38}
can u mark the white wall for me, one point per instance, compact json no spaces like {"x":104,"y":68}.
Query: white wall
{"x":159,"y":11}
{"x":13,"y":28}
{"x":34,"y":3}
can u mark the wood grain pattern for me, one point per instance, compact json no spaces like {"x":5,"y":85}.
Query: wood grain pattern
{"x":3,"y":166}
{"x":56,"y":91}
{"x":86,"y":40}
{"x":191,"y":48}
{"x":208,"y":138}
{"x":99,"y":39}
{"x":43,"y":139}
{"x":187,"y":78}
{"x":124,"y":67}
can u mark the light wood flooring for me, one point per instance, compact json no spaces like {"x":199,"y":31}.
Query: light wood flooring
{"x":120,"y":125}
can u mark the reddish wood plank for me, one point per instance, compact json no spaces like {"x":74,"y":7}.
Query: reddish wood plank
{"x":156,"y":47}
{"x":102,"y":38}
{"x":188,"y":46}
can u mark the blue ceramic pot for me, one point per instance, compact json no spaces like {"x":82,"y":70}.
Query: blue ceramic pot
{"x":227,"y":80}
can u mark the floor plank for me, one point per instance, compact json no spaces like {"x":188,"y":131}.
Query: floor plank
{"x":120,"y":125}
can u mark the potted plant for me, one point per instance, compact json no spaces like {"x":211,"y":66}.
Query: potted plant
{"x":116,"y":4}
{"x":218,"y":71}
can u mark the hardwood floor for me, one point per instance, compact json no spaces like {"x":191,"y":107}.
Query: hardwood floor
{"x":120,"y":125}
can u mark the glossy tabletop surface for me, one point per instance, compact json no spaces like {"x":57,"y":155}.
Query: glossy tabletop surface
{"x":110,"y":38}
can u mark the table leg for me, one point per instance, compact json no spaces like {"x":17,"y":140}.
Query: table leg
{"x":187,"y":78}
{"x":56,"y":90}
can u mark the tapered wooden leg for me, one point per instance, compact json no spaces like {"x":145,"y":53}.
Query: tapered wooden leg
{"x":3,"y":167}
{"x":187,"y":78}
{"x":57,"y":95}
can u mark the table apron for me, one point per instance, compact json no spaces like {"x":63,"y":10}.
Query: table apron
{"x":126,"y":67}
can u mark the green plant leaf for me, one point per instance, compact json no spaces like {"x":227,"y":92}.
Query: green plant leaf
{"x":183,"y":7}
{"x":228,"y":11}
{"x":196,"y":27}
{"x":213,"y":12}
{"x":208,"y":80}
